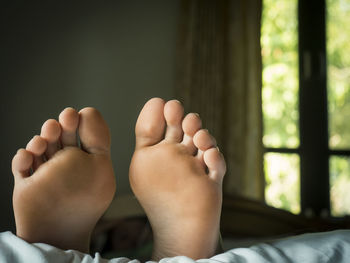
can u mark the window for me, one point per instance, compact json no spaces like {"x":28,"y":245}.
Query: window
{"x":306,"y":117}
{"x":280,"y":104}
{"x":338,"y":56}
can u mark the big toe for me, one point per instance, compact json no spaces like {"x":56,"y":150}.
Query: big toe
{"x":150,"y":124}
{"x":93,"y":132}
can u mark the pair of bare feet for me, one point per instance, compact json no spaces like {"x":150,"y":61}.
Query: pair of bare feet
{"x":64,"y":180}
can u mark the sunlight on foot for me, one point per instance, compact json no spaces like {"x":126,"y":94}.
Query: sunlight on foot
{"x":176,"y":173}
{"x":60,"y":189}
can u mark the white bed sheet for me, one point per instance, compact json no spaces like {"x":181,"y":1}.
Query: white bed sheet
{"x":318,"y":247}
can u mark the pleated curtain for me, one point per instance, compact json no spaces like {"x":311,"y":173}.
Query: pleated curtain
{"x":218,"y":75}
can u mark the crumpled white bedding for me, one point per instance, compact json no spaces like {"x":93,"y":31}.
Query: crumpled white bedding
{"x":317,"y":247}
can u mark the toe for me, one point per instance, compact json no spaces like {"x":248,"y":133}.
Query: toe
{"x":203,"y":141}
{"x":69,"y":121}
{"x":51,"y":131}
{"x":215,"y":162}
{"x":37,"y":147}
{"x":93,"y":132}
{"x":173,"y":113}
{"x":21,"y":163}
{"x":190,"y":125}
{"x":150,"y":124}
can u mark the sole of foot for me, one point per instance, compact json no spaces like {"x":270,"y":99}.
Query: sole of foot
{"x":62,"y":187}
{"x":176,"y":173}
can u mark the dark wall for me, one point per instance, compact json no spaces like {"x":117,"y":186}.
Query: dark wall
{"x":113,"y":55}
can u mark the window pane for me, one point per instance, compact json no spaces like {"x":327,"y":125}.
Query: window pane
{"x":280,"y":73}
{"x":340,"y":185}
{"x":338,"y":57}
{"x":282,"y":181}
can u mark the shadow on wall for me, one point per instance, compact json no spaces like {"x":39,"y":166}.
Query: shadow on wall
{"x":112,"y":56}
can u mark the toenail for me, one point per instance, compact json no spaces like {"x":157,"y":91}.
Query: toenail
{"x":218,"y":148}
{"x":19,"y":150}
{"x":33,"y":139}
{"x":177,"y":101}
{"x":195,"y":113}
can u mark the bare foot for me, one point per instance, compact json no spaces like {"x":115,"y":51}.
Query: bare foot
{"x":176,"y":173}
{"x":61,"y":190}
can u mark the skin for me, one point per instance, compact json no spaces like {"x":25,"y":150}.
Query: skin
{"x":70,"y":187}
{"x":176,"y":173}
{"x":177,"y":177}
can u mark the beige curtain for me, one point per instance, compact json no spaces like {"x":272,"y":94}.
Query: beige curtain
{"x":219,"y":76}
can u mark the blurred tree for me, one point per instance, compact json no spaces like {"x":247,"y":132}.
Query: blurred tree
{"x":280,"y":73}
{"x":280,"y":102}
{"x":338,"y":58}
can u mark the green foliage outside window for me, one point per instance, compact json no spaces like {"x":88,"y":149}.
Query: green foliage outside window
{"x":338,"y":58}
{"x":282,"y":181}
{"x":280,"y":73}
{"x":340,"y":185}
{"x":280,"y":102}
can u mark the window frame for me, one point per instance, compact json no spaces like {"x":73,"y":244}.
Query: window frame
{"x":313,"y":151}
{"x":313,"y":108}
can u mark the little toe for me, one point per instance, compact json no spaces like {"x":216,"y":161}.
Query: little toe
{"x":21,"y":163}
{"x":69,"y":121}
{"x":93,"y":132}
{"x":215,"y":162}
{"x":51,"y":132}
{"x":190,"y":125}
{"x":37,"y":146}
{"x":173,"y":113}
{"x":150,"y":124}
